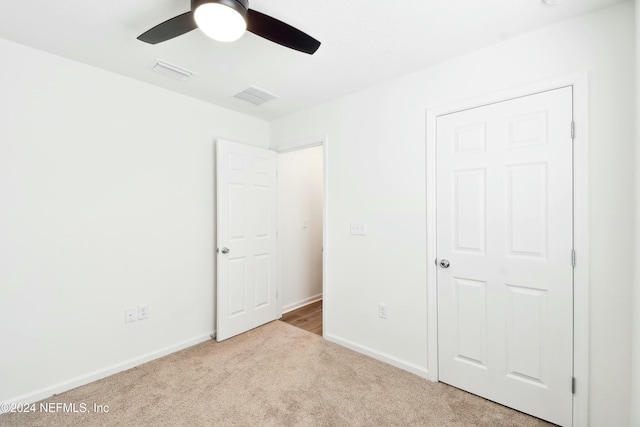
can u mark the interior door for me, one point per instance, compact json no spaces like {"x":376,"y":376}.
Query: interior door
{"x":246,"y":238}
{"x":504,"y":245}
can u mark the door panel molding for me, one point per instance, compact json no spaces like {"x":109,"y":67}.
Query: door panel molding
{"x":579,"y":82}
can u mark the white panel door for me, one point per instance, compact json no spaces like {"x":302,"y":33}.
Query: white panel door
{"x":504,"y":225}
{"x":246,"y":238}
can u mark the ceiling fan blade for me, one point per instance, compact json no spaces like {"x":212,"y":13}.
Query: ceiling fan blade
{"x":281,"y":33}
{"x":174,"y":27}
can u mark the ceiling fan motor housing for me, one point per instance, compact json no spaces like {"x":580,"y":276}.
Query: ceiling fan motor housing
{"x":240,"y":6}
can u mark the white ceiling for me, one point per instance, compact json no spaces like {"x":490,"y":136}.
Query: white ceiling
{"x":363,"y":42}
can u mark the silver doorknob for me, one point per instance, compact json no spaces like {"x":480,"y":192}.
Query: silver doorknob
{"x":225,"y":250}
{"x":444,"y":263}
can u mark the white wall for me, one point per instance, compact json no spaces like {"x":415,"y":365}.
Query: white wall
{"x":635,"y":379}
{"x":107,"y":201}
{"x":376,"y":173}
{"x":300,"y":226}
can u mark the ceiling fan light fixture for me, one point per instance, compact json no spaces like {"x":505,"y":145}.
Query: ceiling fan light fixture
{"x":222,"y":20}
{"x":227,"y":20}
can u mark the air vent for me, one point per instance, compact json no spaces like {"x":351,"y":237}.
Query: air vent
{"x":172,"y":71}
{"x":255,"y":96}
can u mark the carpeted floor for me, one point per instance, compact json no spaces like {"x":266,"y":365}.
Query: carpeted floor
{"x":276,"y":375}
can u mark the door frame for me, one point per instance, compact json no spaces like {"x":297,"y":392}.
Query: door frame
{"x":579,"y":82}
{"x":296,"y":146}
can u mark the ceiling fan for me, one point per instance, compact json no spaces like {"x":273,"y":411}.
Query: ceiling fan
{"x":227,"y":20}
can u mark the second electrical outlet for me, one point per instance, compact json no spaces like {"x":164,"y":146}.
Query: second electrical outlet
{"x":383,"y":311}
{"x":143,"y":312}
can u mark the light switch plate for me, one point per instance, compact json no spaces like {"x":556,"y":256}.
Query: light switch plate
{"x":358,"y":229}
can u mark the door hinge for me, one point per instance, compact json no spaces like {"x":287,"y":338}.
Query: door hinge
{"x":573,"y":385}
{"x":573,"y":257}
{"x":573,"y":130}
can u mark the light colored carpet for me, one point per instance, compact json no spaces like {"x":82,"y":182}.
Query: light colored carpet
{"x":276,"y":375}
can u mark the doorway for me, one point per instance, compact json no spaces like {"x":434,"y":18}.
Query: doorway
{"x":300,"y":236}
{"x":271,"y":242}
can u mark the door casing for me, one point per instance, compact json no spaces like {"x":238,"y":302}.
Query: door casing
{"x":580,"y":218}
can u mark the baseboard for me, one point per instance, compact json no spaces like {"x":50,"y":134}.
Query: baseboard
{"x":103,"y":373}
{"x":409,"y":367}
{"x":301,"y":303}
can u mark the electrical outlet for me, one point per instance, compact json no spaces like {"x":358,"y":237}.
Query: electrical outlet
{"x":383,"y":311}
{"x":358,"y":229}
{"x":130,"y":314}
{"x":143,"y":312}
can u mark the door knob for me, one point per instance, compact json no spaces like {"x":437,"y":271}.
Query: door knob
{"x":444,"y":263}
{"x":225,"y":250}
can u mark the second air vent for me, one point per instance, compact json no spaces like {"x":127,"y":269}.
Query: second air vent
{"x":255,"y":96}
